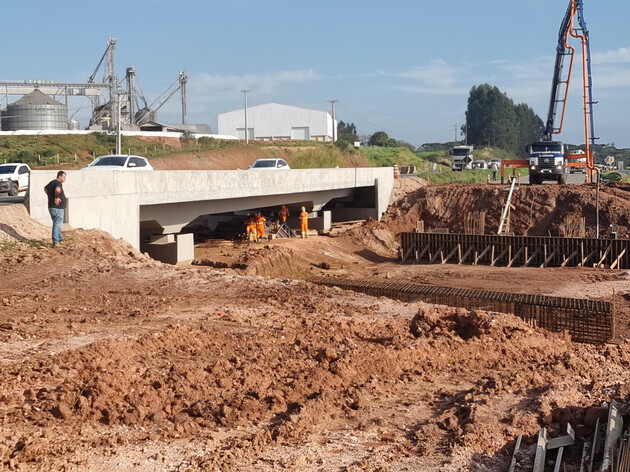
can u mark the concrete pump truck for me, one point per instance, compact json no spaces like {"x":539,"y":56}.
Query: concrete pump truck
{"x":548,"y":159}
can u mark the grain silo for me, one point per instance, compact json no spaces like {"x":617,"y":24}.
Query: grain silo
{"x":35,"y":111}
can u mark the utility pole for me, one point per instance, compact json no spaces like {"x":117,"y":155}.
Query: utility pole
{"x":455,"y":129}
{"x":183,"y":79}
{"x":246,"y":134}
{"x":131,"y":74}
{"x":334,"y":130}
{"x":118,"y":139}
{"x":113,"y":84}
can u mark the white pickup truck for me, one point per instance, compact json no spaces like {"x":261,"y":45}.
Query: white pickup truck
{"x":14,"y":178}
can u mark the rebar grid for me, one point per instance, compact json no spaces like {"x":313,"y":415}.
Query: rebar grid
{"x":586,"y":321}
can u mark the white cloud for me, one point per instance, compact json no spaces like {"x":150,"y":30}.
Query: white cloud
{"x":436,"y":78}
{"x":617,"y":56}
{"x":215,"y":85}
{"x":611,"y":77}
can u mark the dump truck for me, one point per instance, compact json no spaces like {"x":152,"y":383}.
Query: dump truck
{"x":461,"y":157}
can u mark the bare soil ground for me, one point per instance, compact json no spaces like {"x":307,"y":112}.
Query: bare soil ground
{"x":112,"y":361}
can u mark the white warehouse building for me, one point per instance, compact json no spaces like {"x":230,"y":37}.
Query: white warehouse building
{"x":272,"y":121}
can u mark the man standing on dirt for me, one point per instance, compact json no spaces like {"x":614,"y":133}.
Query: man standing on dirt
{"x":283,"y":213}
{"x":495,"y":168}
{"x":260,"y":226}
{"x":56,"y":205}
{"x":304,"y":223}
{"x":250,"y":226}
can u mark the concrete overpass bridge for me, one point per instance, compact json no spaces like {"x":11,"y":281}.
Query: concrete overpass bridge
{"x":149,"y":208}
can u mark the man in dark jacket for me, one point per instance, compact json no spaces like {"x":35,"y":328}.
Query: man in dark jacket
{"x":56,"y":205}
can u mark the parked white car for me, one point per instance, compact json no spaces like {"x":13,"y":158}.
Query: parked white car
{"x":14,"y":178}
{"x":269,"y":164}
{"x":119,"y":162}
{"x":480,"y":164}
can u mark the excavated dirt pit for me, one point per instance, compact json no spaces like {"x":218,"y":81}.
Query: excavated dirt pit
{"x":112,"y":361}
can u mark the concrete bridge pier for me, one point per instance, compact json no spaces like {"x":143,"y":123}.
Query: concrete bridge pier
{"x":170,"y":248}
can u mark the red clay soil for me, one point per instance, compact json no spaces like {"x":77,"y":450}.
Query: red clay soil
{"x":539,"y":210}
{"x":112,"y":361}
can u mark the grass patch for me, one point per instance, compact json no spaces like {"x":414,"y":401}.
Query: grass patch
{"x":322,"y":157}
{"x":79,"y":150}
{"x":33,"y":243}
{"x":474,"y":176}
{"x":388,"y":156}
{"x":615,"y":176}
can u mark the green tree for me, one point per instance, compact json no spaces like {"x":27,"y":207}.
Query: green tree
{"x":405,"y":144}
{"x":491,"y":118}
{"x":347,"y":132}
{"x":380,"y":138}
{"x":529,"y":125}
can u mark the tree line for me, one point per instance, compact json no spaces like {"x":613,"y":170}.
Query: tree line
{"x":347,"y":136}
{"x":492,"y":120}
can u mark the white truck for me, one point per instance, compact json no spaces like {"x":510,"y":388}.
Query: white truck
{"x":14,"y":178}
{"x":461,"y":157}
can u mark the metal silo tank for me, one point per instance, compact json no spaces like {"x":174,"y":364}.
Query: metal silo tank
{"x":36,"y":111}
{"x":73,"y":124}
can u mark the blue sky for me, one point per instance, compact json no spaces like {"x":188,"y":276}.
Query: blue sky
{"x":401,"y":66}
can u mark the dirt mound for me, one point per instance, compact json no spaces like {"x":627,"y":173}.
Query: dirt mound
{"x":539,"y":210}
{"x":112,"y":361}
{"x":16,"y":225}
{"x":299,"y":362}
{"x":405,"y":186}
{"x":230,"y":158}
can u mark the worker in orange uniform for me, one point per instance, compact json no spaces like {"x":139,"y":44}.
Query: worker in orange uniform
{"x":250,"y":225}
{"x":283,"y":214}
{"x":260,"y":225}
{"x":304,"y":223}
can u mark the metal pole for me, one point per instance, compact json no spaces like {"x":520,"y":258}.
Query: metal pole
{"x":183,"y":79}
{"x":113,"y":83}
{"x":597,"y":203}
{"x":131,"y":74}
{"x":246,"y":134}
{"x":334,"y":128}
{"x":118,"y":140}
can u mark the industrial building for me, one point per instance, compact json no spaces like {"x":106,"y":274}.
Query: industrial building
{"x":35,"y":111}
{"x":116,"y":104}
{"x":273,"y":121}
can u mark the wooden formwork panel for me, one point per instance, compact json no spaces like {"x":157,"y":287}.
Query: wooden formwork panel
{"x":586,"y":321}
{"x":511,"y":251}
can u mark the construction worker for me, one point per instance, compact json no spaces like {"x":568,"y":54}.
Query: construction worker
{"x":304,"y":223}
{"x":283,"y":214}
{"x":250,"y":225}
{"x":260,"y":225}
